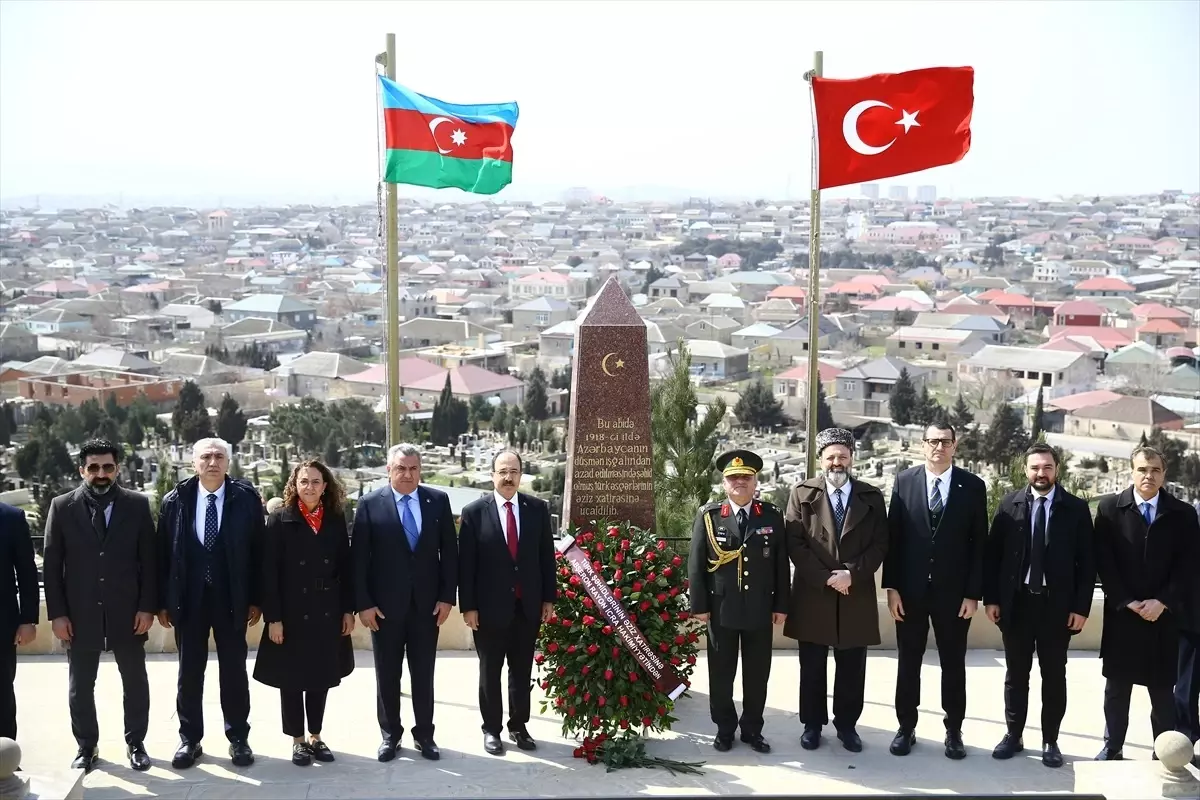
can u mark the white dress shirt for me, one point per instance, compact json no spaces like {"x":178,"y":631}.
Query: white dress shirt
{"x":502,"y":512}
{"x":414,"y":506}
{"x":1153,"y":501}
{"x":943,"y":485}
{"x":1035,"y":495}
{"x":202,"y":508}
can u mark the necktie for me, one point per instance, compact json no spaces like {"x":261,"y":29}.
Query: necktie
{"x":741,"y":517}
{"x":1038,"y":552}
{"x":210,"y":534}
{"x":839,"y":511}
{"x":411,"y":531}
{"x":511,"y":535}
{"x":935,"y":498}
{"x":1148,"y":513}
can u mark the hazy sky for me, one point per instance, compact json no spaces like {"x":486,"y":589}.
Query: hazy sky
{"x":275,"y":101}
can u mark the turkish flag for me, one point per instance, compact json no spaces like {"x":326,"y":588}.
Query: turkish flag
{"x":891,"y":124}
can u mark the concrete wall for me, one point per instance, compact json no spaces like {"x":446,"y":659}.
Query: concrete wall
{"x":456,"y":636}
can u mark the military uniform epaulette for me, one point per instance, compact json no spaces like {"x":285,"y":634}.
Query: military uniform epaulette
{"x":713,"y":506}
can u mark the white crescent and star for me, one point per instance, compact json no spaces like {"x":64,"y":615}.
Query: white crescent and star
{"x":458,"y":138}
{"x":604,"y":364}
{"x":850,"y":126}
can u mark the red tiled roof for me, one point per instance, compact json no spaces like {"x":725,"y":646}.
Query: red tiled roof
{"x":1083,"y":400}
{"x":545,"y":277}
{"x":467,"y":380}
{"x":1160,"y":326}
{"x":1080,"y":308}
{"x":1159,"y":311}
{"x":1109,"y":337}
{"x":411,"y":371}
{"x":788,"y":293}
{"x":1104,"y":285}
{"x":826,"y":371}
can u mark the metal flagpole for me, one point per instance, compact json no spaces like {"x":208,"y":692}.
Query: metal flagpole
{"x":392,"y":276}
{"x":814,"y":279}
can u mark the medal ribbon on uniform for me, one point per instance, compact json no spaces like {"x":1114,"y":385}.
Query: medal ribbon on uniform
{"x":314,"y":517}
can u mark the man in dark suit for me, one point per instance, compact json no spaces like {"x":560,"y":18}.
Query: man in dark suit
{"x":1187,"y":681}
{"x":210,"y":533}
{"x":18,"y":607}
{"x":506,"y":590}
{"x":837,"y":538}
{"x":933,"y":572}
{"x":738,"y":573}
{"x":101,"y":593}
{"x":1038,"y":578}
{"x":1144,"y":541}
{"x":406,"y":572}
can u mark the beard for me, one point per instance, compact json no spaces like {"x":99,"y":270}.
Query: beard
{"x":1042,"y":484}
{"x":100,"y":485}
{"x":837,"y":477}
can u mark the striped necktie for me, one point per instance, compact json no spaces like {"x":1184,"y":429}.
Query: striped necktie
{"x":839,"y":511}
{"x":935,"y":502}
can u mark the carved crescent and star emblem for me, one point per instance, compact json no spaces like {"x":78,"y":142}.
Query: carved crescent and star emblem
{"x":850,"y":126}
{"x":458,"y":138}
{"x":619,"y":364}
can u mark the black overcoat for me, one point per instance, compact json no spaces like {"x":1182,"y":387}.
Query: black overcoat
{"x":307,"y":584}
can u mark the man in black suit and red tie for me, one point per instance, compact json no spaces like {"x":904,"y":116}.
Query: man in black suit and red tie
{"x":506,"y":590}
{"x":405,"y":558}
{"x":933,"y":574}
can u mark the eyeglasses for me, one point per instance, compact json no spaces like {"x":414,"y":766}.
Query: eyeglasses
{"x":305,"y":483}
{"x":94,"y":469}
{"x":939,"y":442}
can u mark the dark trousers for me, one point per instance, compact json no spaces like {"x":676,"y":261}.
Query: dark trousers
{"x":414,"y":636}
{"x":912,"y":635}
{"x":82,"y":665}
{"x":8,"y":690}
{"x":1116,"y":711}
{"x":1187,"y":685}
{"x":722,"y":645}
{"x":293,"y":704}
{"x":849,"y":685}
{"x":513,"y":643}
{"x":191,"y":639}
{"x":1034,"y":629}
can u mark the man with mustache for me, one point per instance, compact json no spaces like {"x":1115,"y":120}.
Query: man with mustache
{"x":1145,"y":551}
{"x":933,"y":574}
{"x":738,"y":573}
{"x":506,"y":591}
{"x":18,"y":606}
{"x":101,"y":593}
{"x":1038,"y":580}
{"x":837,"y":537}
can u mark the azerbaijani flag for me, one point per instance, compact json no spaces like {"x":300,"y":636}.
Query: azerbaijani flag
{"x":438,"y":144}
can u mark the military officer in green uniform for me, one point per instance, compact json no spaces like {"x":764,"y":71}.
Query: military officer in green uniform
{"x":738,"y":570}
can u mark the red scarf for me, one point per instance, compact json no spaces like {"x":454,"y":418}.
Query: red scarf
{"x":314,"y":517}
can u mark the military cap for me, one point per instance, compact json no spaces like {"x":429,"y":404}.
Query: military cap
{"x":832,"y":436}
{"x":739,"y":462}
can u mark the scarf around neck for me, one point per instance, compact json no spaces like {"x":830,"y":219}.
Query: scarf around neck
{"x":314,"y":517}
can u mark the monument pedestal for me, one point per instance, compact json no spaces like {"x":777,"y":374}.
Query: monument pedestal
{"x":1172,"y":776}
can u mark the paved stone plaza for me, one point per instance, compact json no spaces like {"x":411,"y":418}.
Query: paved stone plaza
{"x":465,"y":770}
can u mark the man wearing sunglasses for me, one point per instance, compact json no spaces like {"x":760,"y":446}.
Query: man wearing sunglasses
{"x":101,"y":593}
{"x":933,"y":574}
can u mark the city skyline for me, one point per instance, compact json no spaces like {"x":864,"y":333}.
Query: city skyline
{"x":170,"y":122}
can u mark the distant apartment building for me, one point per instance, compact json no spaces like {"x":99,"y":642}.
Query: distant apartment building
{"x":569,"y":287}
{"x":870,"y":190}
{"x":897,"y":192}
{"x":928,"y":234}
{"x":1050,"y":272}
{"x":926,"y":194}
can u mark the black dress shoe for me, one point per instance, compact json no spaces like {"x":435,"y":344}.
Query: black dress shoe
{"x":240,"y":753}
{"x":86,"y":758}
{"x":850,"y":740}
{"x":138,"y":760}
{"x":811,"y":738}
{"x":955,"y":748}
{"x":387,"y":750}
{"x":187,"y":755}
{"x":492,"y":744}
{"x":321,"y":751}
{"x":1009,"y":746}
{"x":1108,"y":754}
{"x":429,"y":749}
{"x":523,"y":739}
{"x":757,"y":743}
{"x":1051,"y":755}
{"x":903,"y":742}
{"x":302,"y":754}
{"x":723,"y":744}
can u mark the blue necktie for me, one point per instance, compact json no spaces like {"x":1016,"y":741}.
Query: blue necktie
{"x":410,"y":523}
{"x":210,"y":534}
{"x":1147,"y":514}
{"x":839,"y":511}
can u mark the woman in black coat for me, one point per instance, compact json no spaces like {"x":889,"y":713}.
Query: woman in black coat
{"x":307,"y":604}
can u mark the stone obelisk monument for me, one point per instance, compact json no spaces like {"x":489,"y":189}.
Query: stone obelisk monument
{"x":610,"y":474}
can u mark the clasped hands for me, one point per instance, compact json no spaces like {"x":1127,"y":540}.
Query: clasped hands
{"x":1149,"y":610}
{"x":839,"y":580}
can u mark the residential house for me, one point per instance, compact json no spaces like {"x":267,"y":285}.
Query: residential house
{"x":1161,"y":333}
{"x":791,"y":386}
{"x":556,"y":344}
{"x":372,"y":382}
{"x":1138,"y":362}
{"x":535,"y":316}
{"x":430,"y":332}
{"x":1105,"y":287}
{"x":275,"y":307}
{"x":725,"y":305}
{"x":76,"y":388}
{"x":55,"y":320}
{"x":865,"y":390}
{"x":1148,"y":312}
{"x":17,"y":342}
{"x":717,"y":329}
{"x":912,"y":341}
{"x":569,"y":287}
{"x":757,"y":335}
{"x":318,"y":375}
{"x":962,"y":270}
{"x":669,"y":286}
{"x":987,"y":329}
{"x":466,"y":382}
{"x":1127,"y":418}
{"x":777,"y":310}
{"x":718,"y":361}
{"x":1079,"y":312}
{"x":1021,"y":370}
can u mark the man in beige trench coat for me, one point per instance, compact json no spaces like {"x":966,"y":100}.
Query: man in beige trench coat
{"x":837,"y":538}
